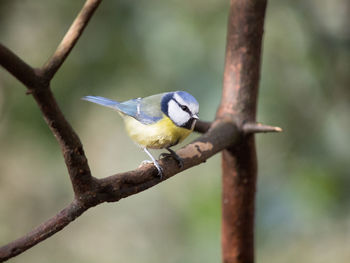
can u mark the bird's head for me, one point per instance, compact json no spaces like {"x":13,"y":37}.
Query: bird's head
{"x":181,"y":107}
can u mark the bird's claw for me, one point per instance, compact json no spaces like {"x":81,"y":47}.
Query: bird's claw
{"x":172,"y":154}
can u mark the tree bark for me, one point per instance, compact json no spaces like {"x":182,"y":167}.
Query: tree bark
{"x":239,"y":103}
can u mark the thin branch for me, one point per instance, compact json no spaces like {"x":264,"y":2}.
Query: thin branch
{"x":249,"y":128}
{"x":18,"y":68}
{"x":45,"y":230}
{"x":70,"y":39}
{"x":115,"y":187}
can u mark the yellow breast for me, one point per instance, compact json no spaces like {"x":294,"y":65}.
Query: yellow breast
{"x":161,"y":134}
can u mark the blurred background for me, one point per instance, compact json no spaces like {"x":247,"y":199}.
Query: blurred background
{"x":138,"y":48}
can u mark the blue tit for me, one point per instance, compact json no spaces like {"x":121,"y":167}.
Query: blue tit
{"x":158,"y":121}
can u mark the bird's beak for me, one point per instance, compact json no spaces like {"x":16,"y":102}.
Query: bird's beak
{"x":195,"y":116}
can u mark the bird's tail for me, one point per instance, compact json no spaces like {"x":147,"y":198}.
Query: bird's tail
{"x":102,"y":101}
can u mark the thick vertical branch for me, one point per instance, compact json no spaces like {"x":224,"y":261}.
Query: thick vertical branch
{"x":239,"y":102}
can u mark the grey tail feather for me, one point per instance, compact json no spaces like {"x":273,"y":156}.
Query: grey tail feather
{"x":102,"y":101}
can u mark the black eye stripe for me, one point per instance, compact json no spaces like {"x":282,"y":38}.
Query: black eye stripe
{"x":183,"y":107}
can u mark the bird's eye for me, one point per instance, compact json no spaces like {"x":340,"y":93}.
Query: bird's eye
{"x":184,"y":108}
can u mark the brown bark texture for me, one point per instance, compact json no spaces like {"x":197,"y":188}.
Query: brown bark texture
{"x":238,"y":104}
{"x":232,"y":132}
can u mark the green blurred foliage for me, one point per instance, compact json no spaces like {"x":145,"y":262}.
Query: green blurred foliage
{"x":138,"y":48}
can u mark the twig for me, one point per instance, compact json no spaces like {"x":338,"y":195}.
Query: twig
{"x":249,"y":128}
{"x":70,"y":39}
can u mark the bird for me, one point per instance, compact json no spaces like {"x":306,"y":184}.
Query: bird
{"x":158,"y":121}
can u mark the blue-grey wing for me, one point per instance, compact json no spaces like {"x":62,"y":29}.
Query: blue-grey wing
{"x":146,"y":110}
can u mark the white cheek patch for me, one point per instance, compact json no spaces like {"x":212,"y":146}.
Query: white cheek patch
{"x":176,"y":114}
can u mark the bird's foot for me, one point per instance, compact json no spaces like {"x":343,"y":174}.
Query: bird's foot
{"x":173,"y":154}
{"x":156,"y":164}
